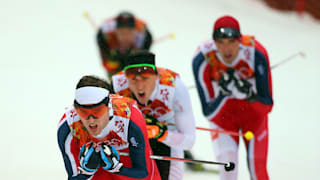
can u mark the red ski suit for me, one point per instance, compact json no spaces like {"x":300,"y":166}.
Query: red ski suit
{"x":231,"y":113}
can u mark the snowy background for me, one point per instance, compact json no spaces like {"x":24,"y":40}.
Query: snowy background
{"x":46,"y":46}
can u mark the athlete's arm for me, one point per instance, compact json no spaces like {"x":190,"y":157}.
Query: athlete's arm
{"x":147,"y":40}
{"x":184,"y":137}
{"x":68,"y":149}
{"x":103,"y":47}
{"x":201,"y":71}
{"x":264,"y":101}
{"x":136,"y":149}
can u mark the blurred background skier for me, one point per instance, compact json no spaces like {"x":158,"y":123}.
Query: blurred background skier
{"x":117,"y":37}
{"x":233,"y":80}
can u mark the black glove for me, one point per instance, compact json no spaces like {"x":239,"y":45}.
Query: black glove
{"x":110,"y":159}
{"x":225,"y":82}
{"x":243,"y":87}
{"x":156,"y":130}
{"x":89,"y":160}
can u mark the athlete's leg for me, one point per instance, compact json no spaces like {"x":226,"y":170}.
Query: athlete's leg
{"x":176,"y":167}
{"x":257,"y":147}
{"x":226,"y":150}
{"x":161,"y":149}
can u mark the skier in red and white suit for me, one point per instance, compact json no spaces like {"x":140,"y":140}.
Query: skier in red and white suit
{"x":96,"y":128}
{"x":233,"y":80}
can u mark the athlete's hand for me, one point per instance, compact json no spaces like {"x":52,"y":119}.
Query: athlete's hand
{"x":243,"y":89}
{"x":89,"y":160}
{"x":156,"y":130}
{"x":110,"y":158}
{"x":226,"y":82}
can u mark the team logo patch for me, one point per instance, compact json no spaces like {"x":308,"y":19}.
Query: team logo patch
{"x":133,"y":142}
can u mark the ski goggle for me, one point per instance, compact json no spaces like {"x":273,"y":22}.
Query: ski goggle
{"x":226,"y":33}
{"x":96,"y":110}
{"x":140,"y":69}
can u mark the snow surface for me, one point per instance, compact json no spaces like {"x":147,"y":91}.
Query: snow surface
{"x":48,"y":45}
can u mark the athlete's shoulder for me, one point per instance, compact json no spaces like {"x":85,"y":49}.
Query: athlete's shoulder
{"x":141,"y":26}
{"x":122,"y":106}
{"x":120,"y":84}
{"x":261,"y":49}
{"x":207,"y":46}
{"x":139,"y":121}
{"x":260,"y":52}
{"x":167,"y":76}
{"x":248,"y":40}
{"x":70,"y":116}
{"x":109,"y":25}
{"x":116,"y":99}
{"x":71,"y":120}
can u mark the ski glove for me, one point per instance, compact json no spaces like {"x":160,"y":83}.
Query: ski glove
{"x":110,"y":158}
{"x":226,"y":82}
{"x":243,"y":90}
{"x":89,"y":160}
{"x":156,"y":129}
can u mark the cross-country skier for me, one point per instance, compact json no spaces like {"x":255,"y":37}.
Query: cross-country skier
{"x":233,"y":80}
{"x":119,"y":36}
{"x":164,"y":100}
{"x":96,"y":128}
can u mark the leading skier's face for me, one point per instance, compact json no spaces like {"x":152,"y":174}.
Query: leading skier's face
{"x":95,"y":125}
{"x":142,"y":86}
{"x":125,"y":36}
{"x":228,"y":48}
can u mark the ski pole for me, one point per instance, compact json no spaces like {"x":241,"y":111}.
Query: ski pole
{"x":227,"y":166}
{"x":302,"y":54}
{"x":91,"y":21}
{"x":247,"y":135}
{"x":156,"y":41}
{"x":164,"y":38}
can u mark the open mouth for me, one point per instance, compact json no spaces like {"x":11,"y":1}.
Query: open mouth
{"x":141,"y":94}
{"x":93,"y":127}
{"x":227,"y":56}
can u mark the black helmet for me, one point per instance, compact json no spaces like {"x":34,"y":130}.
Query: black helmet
{"x":125,"y":19}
